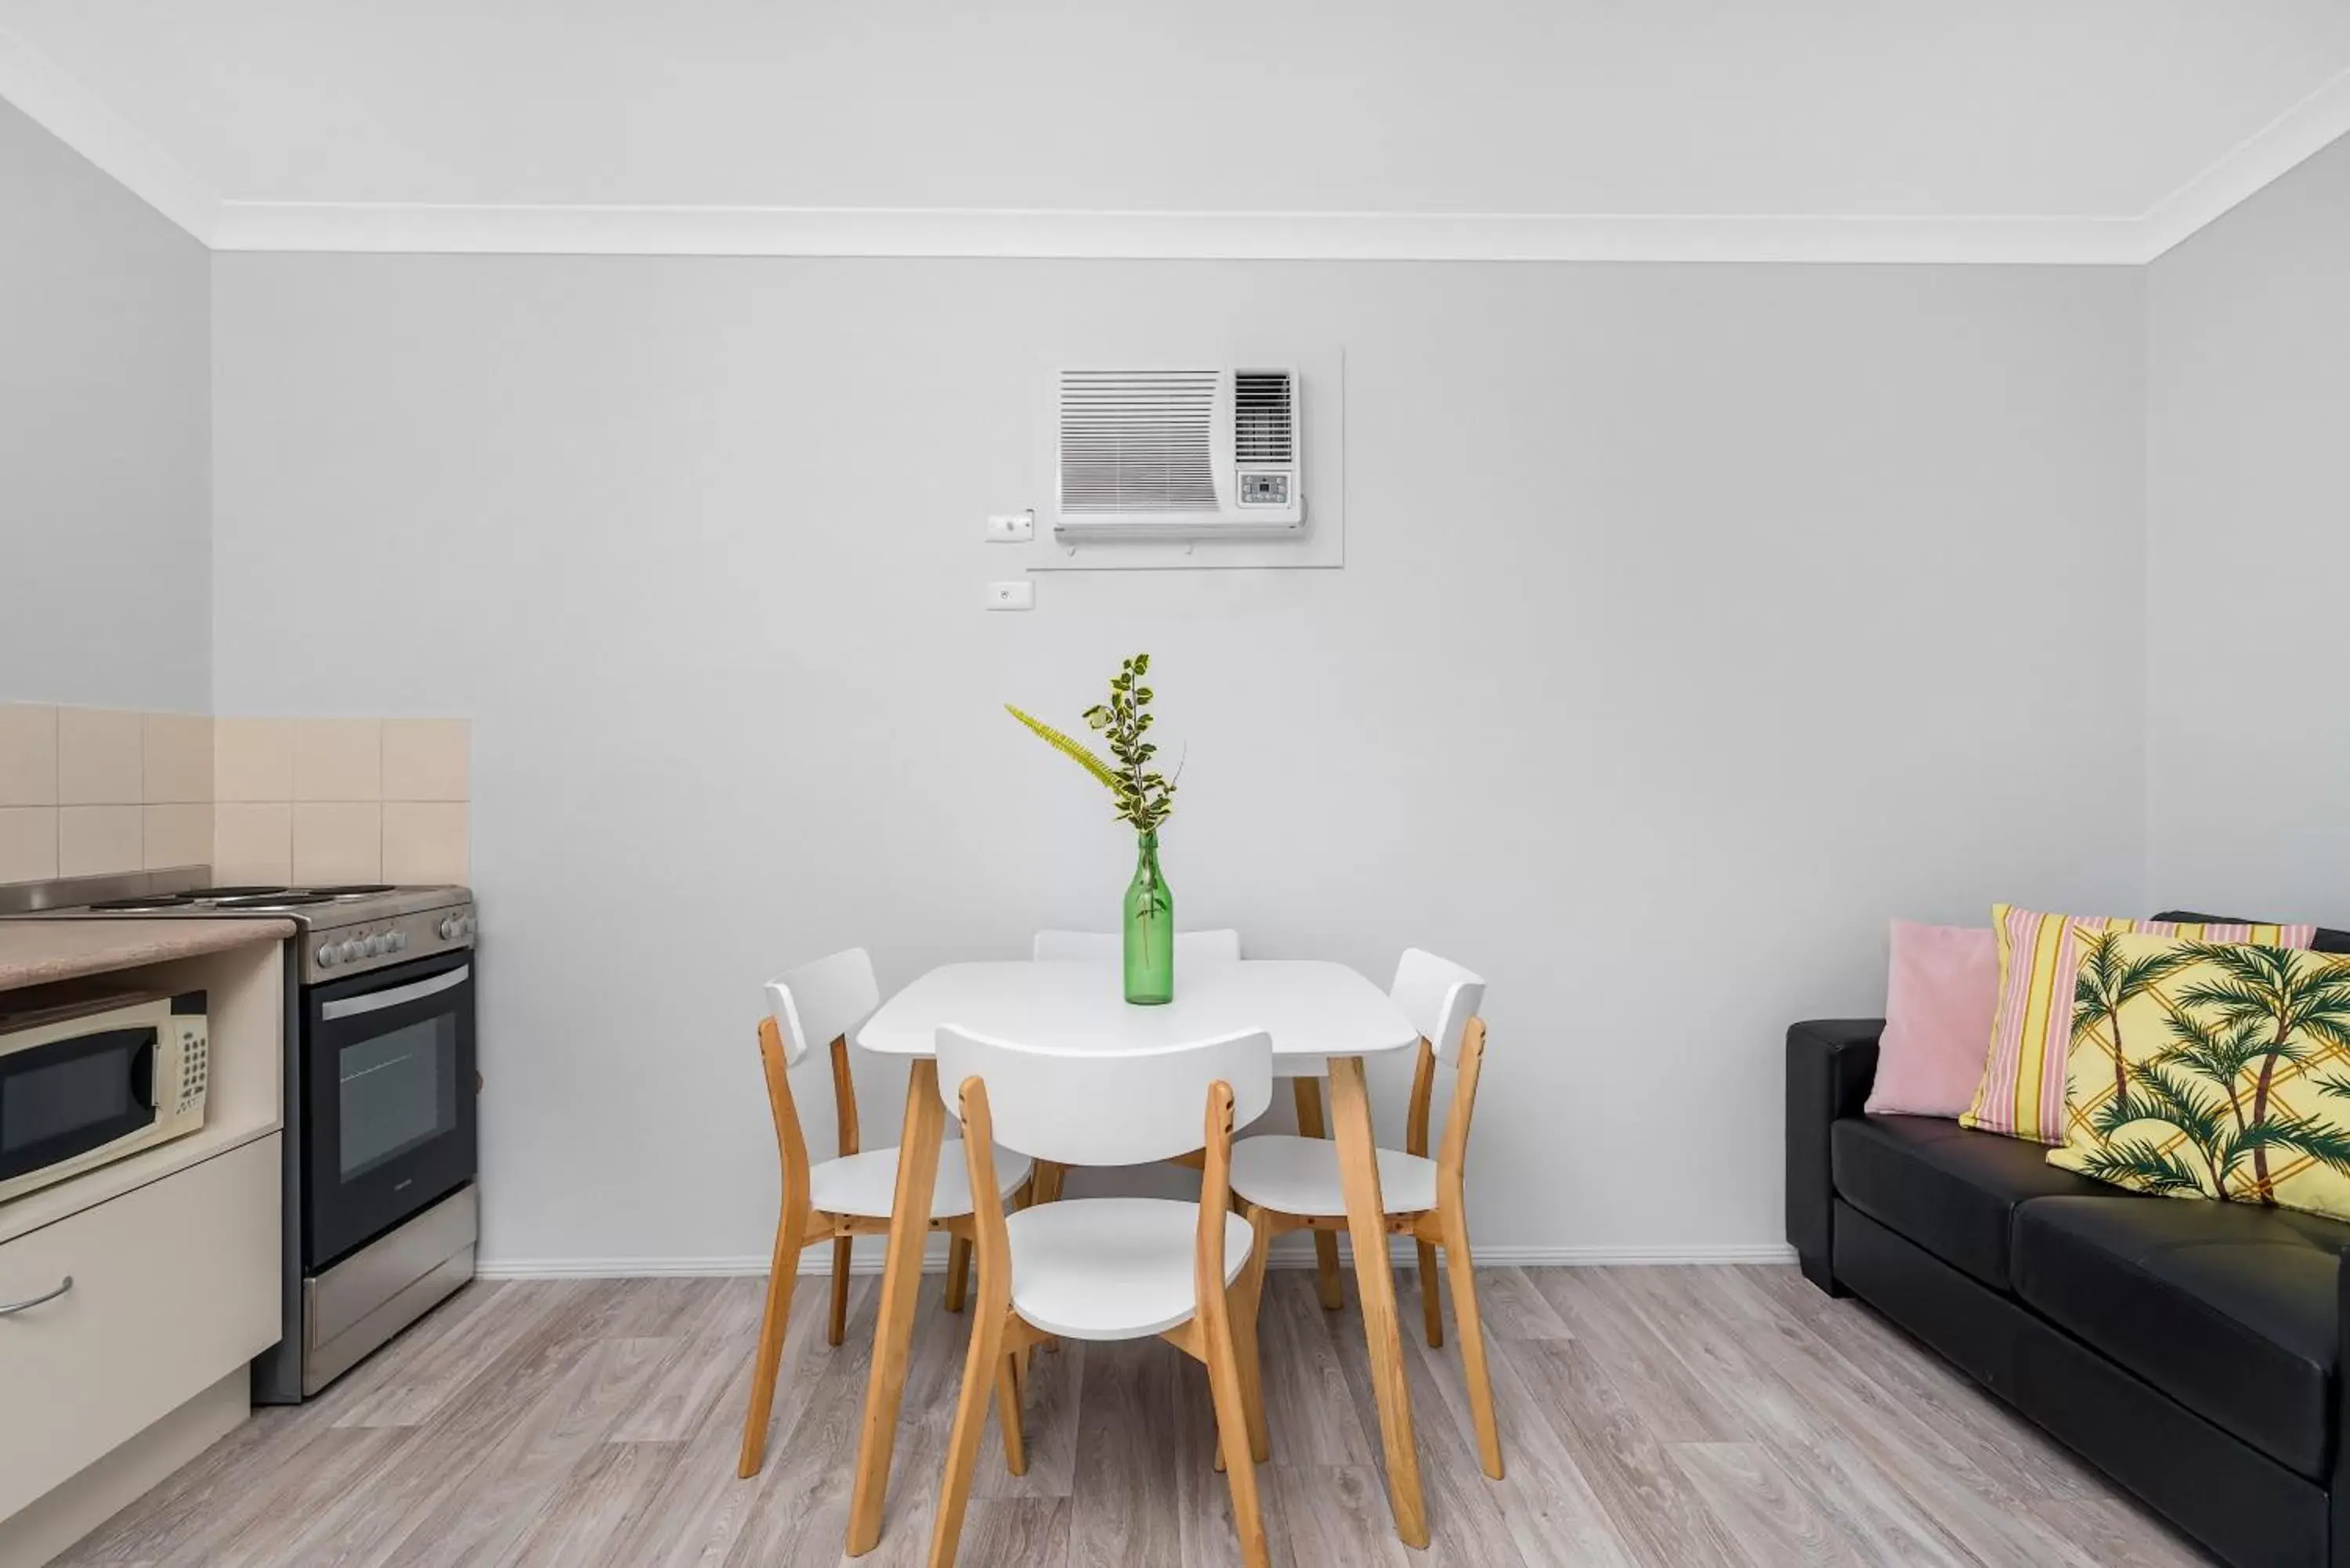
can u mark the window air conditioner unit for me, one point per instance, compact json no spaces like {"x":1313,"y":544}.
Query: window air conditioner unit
{"x":1179,"y":454}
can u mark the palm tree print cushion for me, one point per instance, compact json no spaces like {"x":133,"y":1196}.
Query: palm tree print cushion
{"x":2023,"y":1092}
{"x":2211,"y":1070}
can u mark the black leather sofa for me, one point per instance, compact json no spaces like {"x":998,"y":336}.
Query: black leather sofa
{"x":2192,"y":1351}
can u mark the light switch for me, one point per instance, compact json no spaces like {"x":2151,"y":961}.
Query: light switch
{"x":1011,"y":596}
{"x":1010,"y":528}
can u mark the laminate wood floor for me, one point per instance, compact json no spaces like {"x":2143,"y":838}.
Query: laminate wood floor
{"x":1675,"y":1417}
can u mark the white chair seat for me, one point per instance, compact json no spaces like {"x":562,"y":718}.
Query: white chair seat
{"x":1112,"y":1268}
{"x":866,"y":1184}
{"x":1300,"y":1175}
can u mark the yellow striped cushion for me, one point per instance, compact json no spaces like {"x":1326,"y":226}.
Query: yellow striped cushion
{"x":2023,"y":1090}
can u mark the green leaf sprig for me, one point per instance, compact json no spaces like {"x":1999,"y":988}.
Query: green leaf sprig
{"x":1145,"y":797}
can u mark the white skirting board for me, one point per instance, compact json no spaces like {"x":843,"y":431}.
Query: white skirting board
{"x":1294,"y":1251}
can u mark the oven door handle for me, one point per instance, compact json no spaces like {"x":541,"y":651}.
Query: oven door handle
{"x":376,"y":1001}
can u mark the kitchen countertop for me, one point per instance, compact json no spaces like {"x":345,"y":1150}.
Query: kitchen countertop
{"x":35,"y":952}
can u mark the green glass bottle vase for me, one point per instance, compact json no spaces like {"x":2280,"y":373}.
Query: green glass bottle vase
{"x":1149,"y":929}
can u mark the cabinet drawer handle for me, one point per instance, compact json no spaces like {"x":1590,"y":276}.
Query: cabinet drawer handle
{"x":11,"y":1309}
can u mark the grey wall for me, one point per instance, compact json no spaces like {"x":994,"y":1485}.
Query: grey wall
{"x":1694,"y":620}
{"x":105,"y":438}
{"x":2248,"y":554}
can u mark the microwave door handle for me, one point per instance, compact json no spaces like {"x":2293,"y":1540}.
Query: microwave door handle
{"x":376,"y":1001}
{"x":142,"y":1073}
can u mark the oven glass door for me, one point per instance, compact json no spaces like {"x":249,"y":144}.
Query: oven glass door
{"x":62,"y":1100}
{"x":389,"y":1063}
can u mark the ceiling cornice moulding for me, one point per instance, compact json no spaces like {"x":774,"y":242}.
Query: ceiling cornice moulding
{"x":1139,"y":236}
{"x":70,"y":111}
{"x":2293,"y":138}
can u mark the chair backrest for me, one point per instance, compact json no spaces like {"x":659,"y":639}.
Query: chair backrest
{"x":1097,"y":1108}
{"x":1109,"y":947}
{"x":1440,"y":997}
{"x":819,"y":1002}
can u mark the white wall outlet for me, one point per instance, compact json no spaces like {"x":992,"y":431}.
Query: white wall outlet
{"x":1010,"y":528}
{"x":1011,"y":596}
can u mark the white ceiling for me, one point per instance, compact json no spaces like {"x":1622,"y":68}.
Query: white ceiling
{"x":2101,"y":128}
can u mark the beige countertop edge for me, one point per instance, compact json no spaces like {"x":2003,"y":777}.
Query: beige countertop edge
{"x":35,"y":952}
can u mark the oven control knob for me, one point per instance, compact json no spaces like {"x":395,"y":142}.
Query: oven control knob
{"x":370,"y":945}
{"x":351,"y":951}
{"x":466,"y":927}
{"x":395,"y":941}
{"x":447,"y":928}
{"x":326,"y":955}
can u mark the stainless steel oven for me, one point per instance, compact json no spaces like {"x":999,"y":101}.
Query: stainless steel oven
{"x":387,"y":1075}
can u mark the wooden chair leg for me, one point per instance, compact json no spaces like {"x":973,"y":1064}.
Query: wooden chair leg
{"x":1247,"y":1298}
{"x":837,"y":1329}
{"x":1307,"y":1092}
{"x":958,"y":1272}
{"x":1462,"y":1270}
{"x":979,"y":1369}
{"x":1232,"y":1429}
{"x":1431,"y":1306}
{"x":783,"y":1271}
{"x":1007,"y":1414}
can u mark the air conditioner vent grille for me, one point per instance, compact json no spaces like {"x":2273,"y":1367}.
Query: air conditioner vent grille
{"x":1138,"y":441}
{"x":1263,"y":417}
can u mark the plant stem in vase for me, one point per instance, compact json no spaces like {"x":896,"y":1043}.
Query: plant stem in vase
{"x":1142,"y":797}
{"x":1149,"y":929}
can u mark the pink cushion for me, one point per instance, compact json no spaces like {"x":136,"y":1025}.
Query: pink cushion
{"x":1940,"y":995}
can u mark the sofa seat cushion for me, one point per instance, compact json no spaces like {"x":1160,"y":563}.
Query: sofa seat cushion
{"x":2230,"y":1309}
{"x":1950,"y":1190}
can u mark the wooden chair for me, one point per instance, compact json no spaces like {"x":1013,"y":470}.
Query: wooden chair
{"x":1111,"y":1268}
{"x":1292,"y":1184}
{"x":836,"y":1199}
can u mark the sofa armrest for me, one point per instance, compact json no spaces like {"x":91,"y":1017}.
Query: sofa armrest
{"x":1831,"y":1063}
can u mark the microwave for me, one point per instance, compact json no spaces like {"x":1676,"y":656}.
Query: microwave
{"x":86,"y":1082}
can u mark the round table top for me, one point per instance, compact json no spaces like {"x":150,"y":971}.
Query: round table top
{"x":1312,"y":1010}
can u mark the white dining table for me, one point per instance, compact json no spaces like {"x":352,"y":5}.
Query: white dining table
{"x":1320,"y":1016}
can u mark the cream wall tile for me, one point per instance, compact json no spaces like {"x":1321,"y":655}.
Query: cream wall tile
{"x":178,"y":835}
{"x":425,"y":841}
{"x":99,"y":753}
{"x":179,"y":759}
{"x":28,"y":843}
{"x":425,"y":759}
{"x":28,"y":754}
{"x":253,"y":759}
{"x":340,"y":841}
{"x":93,"y":840}
{"x":252,"y":842}
{"x":337,"y":759}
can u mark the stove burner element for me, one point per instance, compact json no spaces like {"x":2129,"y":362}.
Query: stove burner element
{"x":351,"y":889}
{"x":254,"y":890}
{"x":154,"y":901}
{"x":272,"y":901}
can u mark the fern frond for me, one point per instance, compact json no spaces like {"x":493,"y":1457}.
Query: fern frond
{"x":1076,"y":751}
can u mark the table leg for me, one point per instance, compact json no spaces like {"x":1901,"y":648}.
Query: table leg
{"x":901,"y":1285}
{"x":1358,"y":1167}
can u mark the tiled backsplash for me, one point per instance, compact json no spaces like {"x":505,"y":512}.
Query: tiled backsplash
{"x":84,"y":790}
{"x":341,"y":800}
